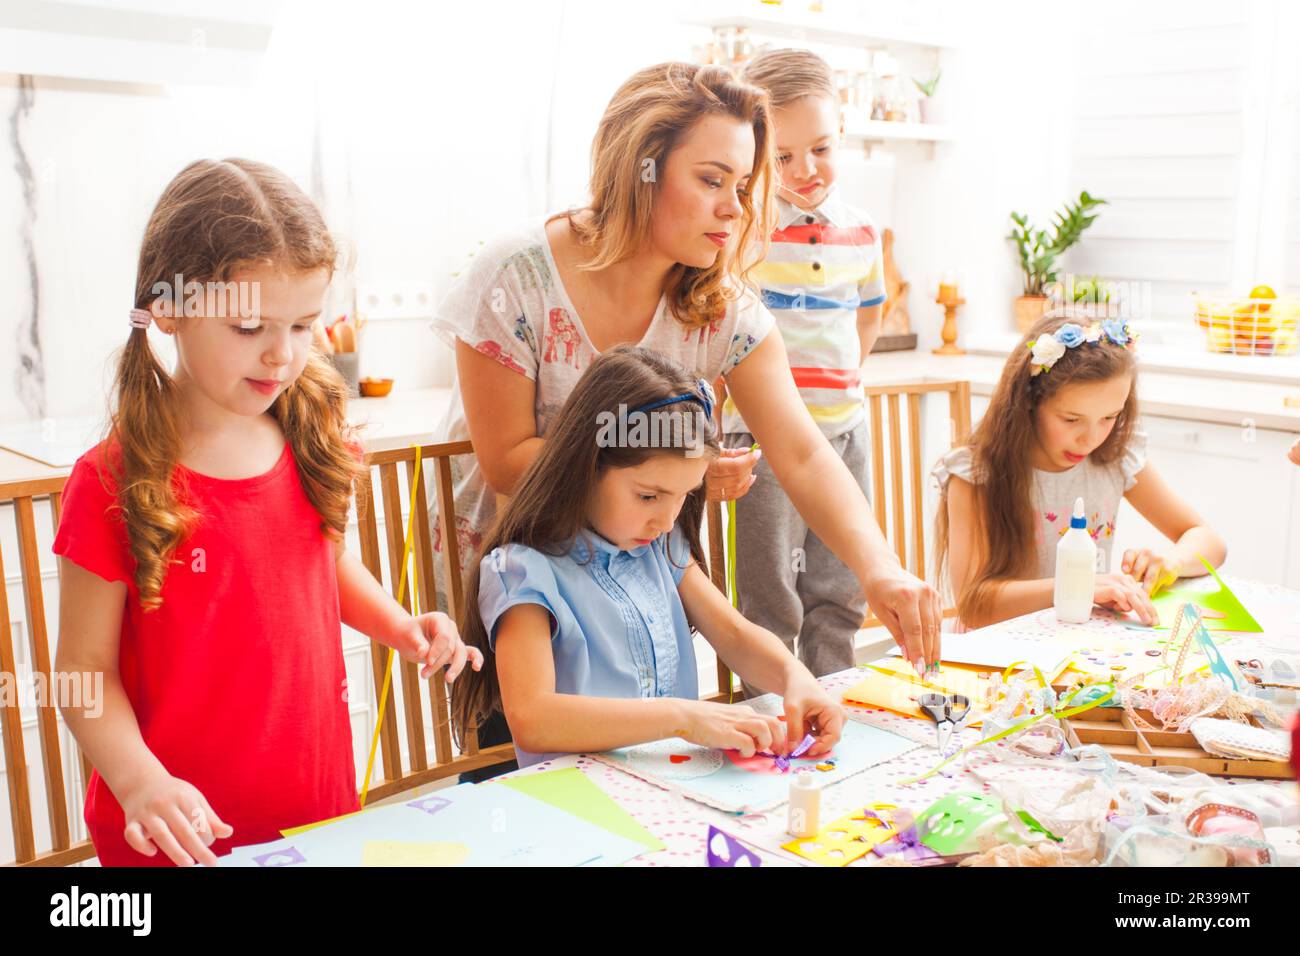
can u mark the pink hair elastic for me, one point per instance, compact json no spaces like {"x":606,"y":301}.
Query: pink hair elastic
{"x":140,"y":318}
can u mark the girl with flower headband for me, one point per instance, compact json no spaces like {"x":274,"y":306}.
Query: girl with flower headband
{"x":201,"y":551}
{"x":591,"y":584}
{"x":1062,"y":424}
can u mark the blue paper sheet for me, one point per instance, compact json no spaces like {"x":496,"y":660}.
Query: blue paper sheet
{"x":727,"y":781}
{"x":487,"y":825}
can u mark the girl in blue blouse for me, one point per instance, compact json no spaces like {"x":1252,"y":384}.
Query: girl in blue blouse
{"x":591,"y":582}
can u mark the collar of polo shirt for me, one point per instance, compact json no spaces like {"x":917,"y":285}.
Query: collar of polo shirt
{"x":830,"y":211}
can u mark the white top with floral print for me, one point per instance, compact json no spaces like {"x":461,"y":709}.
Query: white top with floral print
{"x":1101,"y":487}
{"x":511,"y":305}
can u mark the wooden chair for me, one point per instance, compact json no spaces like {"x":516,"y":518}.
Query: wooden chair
{"x":910,"y":470}
{"x":22,"y":498}
{"x":905,"y":472}
{"x":435,"y":459}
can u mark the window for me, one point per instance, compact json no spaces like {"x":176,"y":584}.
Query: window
{"x":1185,"y":120}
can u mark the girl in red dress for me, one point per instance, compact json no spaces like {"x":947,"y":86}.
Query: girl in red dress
{"x":200,"y":544}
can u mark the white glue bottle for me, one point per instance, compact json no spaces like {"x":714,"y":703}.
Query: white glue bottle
{"x":1076,"y":570}
{"x":805,"y":805}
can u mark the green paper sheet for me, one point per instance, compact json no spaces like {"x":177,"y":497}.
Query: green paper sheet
{"x":574,"y":792}
{"x":1235,"y":616}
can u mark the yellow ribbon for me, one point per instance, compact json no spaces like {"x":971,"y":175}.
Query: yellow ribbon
{"x":1060,"y":713}
{"x":415,"y":605}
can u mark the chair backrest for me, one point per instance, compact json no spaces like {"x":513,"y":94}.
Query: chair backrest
{"x":440,"y":566}
{"x":904,"y":493}
{"x":905,"y":472}
{"x":63,"y":793}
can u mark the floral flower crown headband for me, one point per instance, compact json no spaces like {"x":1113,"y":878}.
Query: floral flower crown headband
{"x":1045,"y":351}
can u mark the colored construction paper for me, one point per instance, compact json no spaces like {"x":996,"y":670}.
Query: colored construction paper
{"x":574,"y":792}
{"x":723,"y":850}
{"x":992,"y":647}
{"x":1221,"y":610}
{"x":893,"y":685}
{"x":736,"y":784}
{"x":294,"y":831}
{"x":499,"y":826}
{"x":398,"y":853}
{"x":850,"y":837}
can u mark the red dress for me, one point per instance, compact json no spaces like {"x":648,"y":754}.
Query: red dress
{"x":237,"y":680}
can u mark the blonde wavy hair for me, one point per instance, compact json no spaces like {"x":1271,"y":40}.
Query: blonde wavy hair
{"x":212,"y":220}
{"x":644,"y":121}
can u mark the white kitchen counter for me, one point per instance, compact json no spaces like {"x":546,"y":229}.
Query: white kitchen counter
{"x":1195,"y":397}
{"x":415,"y":415}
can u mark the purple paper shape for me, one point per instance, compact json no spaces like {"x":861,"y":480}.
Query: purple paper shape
{"x":430,"y":804}
{"x":736,"y":851}
{"x":907,"y":843}
{"x":289,"y":856}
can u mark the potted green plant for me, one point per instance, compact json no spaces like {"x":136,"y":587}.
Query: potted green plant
{"x":924,"y":108}
{"x":1040,"y":249}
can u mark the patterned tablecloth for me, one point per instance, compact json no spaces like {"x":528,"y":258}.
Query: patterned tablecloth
{"x":682,"y":824}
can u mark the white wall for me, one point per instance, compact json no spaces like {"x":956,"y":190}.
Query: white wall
{"x":423,"y":129}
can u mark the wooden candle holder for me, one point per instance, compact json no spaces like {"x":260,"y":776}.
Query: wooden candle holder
{"x":949,"y":333}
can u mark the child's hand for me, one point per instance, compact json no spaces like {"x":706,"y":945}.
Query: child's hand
{"x":810,"y":710}
{"x":1294,"y":453}
{"x":731,"y":474}
{"x":1120,"y":592}
{"x":1146,"y":567}
{"x":433,"y":640}
{"x":733,"y":728}
{"x":168,"y":814}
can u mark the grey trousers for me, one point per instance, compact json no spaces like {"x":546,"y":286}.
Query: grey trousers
{"x":787,"y":580}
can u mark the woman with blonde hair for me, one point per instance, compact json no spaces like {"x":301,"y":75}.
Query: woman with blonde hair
{"x":681,"y":173}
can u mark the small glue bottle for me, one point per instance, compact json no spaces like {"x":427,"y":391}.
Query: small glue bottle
{"x":805,"y":805}
{"x":1076,"y":570}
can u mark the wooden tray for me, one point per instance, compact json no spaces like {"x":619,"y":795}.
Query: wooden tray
{"x":1112,"y":730}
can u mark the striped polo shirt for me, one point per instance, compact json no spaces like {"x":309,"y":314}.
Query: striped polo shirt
{"x":823,"y":265}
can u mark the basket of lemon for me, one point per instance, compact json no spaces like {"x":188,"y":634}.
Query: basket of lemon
{"x":1262,"y":323}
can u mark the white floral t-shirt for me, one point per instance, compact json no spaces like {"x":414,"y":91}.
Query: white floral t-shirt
{"x":511,"y":306}
{"x":1101,"y":487}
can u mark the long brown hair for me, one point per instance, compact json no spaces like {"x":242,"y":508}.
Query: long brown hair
{"x":644,"y":121}
{"x":1001,"y":446}
{"x":549,"y":510}
{"x":212,"y":220}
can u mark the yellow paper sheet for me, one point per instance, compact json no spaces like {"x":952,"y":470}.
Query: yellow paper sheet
{"x":397,"y":853}
{"x":846,"y":839}
{"x":893,"y":685}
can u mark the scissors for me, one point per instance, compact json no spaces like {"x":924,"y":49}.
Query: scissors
{"x":946,"y":711}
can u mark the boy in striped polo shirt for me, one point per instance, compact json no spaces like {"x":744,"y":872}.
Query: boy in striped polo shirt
{"x":823,"y":279}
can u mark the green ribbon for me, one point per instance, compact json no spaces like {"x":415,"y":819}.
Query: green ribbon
{"x":1060,"y":713}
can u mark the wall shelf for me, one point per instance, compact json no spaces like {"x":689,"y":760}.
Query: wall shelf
{"x":821,"y":28}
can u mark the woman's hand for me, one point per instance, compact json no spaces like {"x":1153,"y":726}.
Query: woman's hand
{"x":913,"y":613}
{"x":1120,"y":592}
{"x":432,"y":639}
{"x":729,"y":727}
{"x":166,"y":813}
{"x":810,"y":710}
{"x":731,"y":474}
